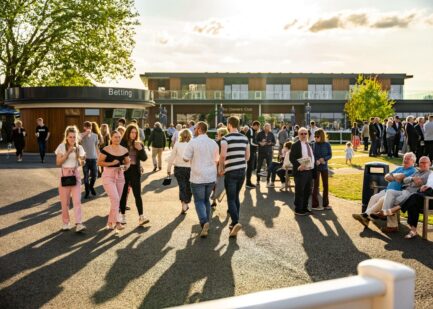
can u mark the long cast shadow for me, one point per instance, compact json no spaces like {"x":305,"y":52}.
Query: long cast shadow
{"x":201,"y":260}
{"x":43,"y":284}
{"x":331,"y":254}
{"x":135,"y":260}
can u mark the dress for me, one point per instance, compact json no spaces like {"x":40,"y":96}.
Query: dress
{"x":349,"y":153}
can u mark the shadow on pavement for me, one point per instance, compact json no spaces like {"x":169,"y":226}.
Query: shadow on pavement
{"x":135,"y":260}
{"x":200,"y":262}
{"x":331,"y":252}
{"x":29,"y":162}
{"x":43,"y":284}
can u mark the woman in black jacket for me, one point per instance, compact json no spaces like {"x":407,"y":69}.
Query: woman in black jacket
{"x":157,"y":139}
{"x":131,"y":141}
{"x":18,"y":134}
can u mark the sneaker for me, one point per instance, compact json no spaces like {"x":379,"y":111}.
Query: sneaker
{"x":122,"y":219}
{"x":119,"y":227}
{"x":234,"y":231}
{"x":142,"y":220}
{"x":205,"y":230}
{"x":320,"y":208}
{"x":250,"y":185}
{"x":271,"y":184}
{"x":80,"y":227}
{"x":66,"y":227}
{"x":86,"y":195}
{"x":92,"y":190}
{"x":362,"y":218}
{"x":263,"y":174}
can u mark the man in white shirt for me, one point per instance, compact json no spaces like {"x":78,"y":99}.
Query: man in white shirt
{"x":202,"y":152}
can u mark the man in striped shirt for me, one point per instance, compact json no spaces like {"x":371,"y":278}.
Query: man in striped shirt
{"x":235,"y":152}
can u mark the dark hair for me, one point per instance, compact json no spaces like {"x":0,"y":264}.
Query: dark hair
{"x":233,"y":121}
{"x":321,"y":133}
{"x":123,"y":120}
{"x":87,"y":124}
{"x":371,"y":118}
{"x":312,"y":122}
{"x":202,"y":126}
{"x":256,"y":123}
{"x":134,"y":121}
{"x":288,"y":145}
{"x":127,"y":133}
{"x":355,"y":124}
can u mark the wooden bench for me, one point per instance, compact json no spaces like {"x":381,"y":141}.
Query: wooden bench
{"x":426,"y":212}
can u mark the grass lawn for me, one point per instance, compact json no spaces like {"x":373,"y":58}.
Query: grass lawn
{"x":349,"y":187}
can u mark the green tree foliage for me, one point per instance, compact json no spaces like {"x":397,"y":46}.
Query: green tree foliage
{"x":367,"y":99}
{"x":65,"y":42}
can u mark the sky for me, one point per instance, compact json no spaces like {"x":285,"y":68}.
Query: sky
{"x":326,"y":36}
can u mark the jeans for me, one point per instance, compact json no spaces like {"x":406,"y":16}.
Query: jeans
{"x":252,"y":162}
{"x":182,"y":175}
{"x":132,"y":179}
{"x":390,"y":144}
{"x":90,"y":171}
{"x":272,"y":171}
{"x":42,"y":147}
{"x":375,"y":144}
{"x":201,"y":193}
{"x":262,"y":157}
{"x":365,"y":143}
{"x":233,"y":181}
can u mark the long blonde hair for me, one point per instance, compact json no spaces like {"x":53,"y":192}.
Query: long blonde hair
{"x":71,"y":129}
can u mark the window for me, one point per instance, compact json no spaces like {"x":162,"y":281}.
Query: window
{"x":278,"y":91}
{"x":396,"y":92}
{"x":236,"y":92}
{"x":320,"y":92}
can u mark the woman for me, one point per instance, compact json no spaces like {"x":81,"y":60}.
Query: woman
{"x":18,"y":134}
{"x":70,"y":156}
{"x":131,"y":141}
{"x":182,"y":169}
{"x":105,"y":135}
{"x":390,"y":137}
{"x":355,"y":136}
{"x":97,"y":131}
{"x":322,"y":154}
{"x":115,"y":160}
{"x":295,"y":131}
{"x":365,"y":133}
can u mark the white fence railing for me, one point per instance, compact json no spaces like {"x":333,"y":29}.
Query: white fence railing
{"x":380,"y":284}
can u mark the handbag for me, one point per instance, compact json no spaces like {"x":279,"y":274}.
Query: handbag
{"x":167,"y":181}
{"x":68,"y":181}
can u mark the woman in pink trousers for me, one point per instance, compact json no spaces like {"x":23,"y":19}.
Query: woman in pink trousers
{"x":70,"y":156}
{"x":115,"y":160}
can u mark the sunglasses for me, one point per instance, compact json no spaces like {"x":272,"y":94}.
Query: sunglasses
{"x":302,"y":133}
{"x":316,"y":136}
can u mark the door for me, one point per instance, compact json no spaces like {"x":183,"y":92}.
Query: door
{"x":72,"y":121}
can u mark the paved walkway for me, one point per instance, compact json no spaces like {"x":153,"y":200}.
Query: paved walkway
{"x":164,"y":263}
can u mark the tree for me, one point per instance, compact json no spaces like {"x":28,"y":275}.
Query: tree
{"x":65,"y":42}
{"x":367,"y":99}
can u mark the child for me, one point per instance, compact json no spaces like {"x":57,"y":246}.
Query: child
{"x":279,"y":168}
{"x":349,"y":152}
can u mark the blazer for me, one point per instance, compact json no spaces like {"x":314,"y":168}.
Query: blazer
{"x":295,"y":154}
{"x":420,"y":133}
{"x":372,"y":130}
{"x":412,"y":135}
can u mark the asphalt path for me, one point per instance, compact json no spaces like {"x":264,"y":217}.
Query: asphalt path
{"x":164,"y":263}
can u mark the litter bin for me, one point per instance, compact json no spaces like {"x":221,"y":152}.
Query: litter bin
{"x":374,"y":173}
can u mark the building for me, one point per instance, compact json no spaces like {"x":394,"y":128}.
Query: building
{"x":275,"y":96}
{"x":63,"y":106}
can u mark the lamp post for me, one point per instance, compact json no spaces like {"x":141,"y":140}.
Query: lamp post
{"x":308,"y":110}
{"x":292,"y":116}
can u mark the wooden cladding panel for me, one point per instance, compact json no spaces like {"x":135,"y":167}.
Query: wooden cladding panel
{"x":340,"y":84}
{"x":175,"y":84}
{"x":214,"y":83}
{"x":385,"y":82}
{"x":153,"y":84}
{"x":257,"y":84}
{"x":299,"y":84}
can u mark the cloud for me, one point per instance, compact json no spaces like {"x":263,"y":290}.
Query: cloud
{"x":211,"y":27}
{"x":349,"y":20}
{"x":394,"y":21}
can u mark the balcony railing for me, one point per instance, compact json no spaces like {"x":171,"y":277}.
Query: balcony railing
{"x":249,"y":95}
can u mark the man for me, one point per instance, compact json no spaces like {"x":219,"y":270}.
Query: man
{"x":395,"y":180}
{"x":374,"y":136}
{"x":234,"y":155}
{"x":147,"y":132}
{"x":282,"y":137}
{"x":419,"y":128}
{"x":252,"y":139}
{"x":157,"y":140}
{"x":42,"y":134}
{"x":313,"y":129}
{"x":365,"y":134}
{"x":412,"y":136}
{"x":203,"y":154}
{"x":428,"y":137}
{"x":170,"y":132}
{"x":266,"y":142}
{"x":89,"y":141}
{"x":191,"y":126}
{"x":415,"y":204}
{"x":380,"y":133}
{"x":411,"y":185}
{"x":398,"y":128}
{"x":302,"y":173}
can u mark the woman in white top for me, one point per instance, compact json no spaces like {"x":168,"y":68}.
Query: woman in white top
{"x":182,"y":169}
{"x":70,"y":156}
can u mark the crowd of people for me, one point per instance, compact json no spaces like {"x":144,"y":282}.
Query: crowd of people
{"x":207,"y":168}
